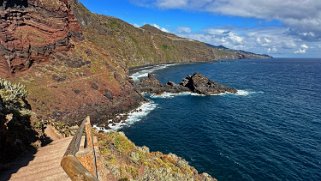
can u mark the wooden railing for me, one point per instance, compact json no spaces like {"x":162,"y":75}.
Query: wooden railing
{"x":81,"y":165}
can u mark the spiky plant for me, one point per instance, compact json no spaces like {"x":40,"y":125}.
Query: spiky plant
{"x":12,"y":96}
{"x":10,"y":91}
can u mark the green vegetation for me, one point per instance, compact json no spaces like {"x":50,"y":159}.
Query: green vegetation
{"x":165,"y":47}
{"x":129,"y":162}
{"x":12,"y":98}
{"x":16,"y":131}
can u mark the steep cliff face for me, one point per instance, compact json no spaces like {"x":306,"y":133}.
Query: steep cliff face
{"x":67,"y":77}
{"x":31,"y":30}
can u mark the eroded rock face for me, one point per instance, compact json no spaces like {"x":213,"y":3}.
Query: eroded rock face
{"x":31,"y":30}
{"x":197,"y":83}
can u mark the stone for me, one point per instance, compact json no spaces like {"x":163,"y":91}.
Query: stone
{"x":170,"y":83}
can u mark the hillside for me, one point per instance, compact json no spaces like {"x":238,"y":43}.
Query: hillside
{"x":75,"y":63}
{"x":147,"y":45}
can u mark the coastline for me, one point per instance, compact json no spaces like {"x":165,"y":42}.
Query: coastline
{"x":143,"y":108}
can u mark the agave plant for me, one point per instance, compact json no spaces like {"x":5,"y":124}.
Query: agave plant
{"x":12,"y":97}
{"x":12,"y":92}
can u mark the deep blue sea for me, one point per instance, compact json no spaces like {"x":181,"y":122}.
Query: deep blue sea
{"x":270,"y":131}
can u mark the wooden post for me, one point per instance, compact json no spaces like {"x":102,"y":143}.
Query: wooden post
{"x":75,"y":170}
{"x":84,"y":168}
{"x":90,"y":144}
{"x":89,"y":136}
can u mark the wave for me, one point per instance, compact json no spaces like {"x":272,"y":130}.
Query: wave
{"x":133,"y":116}
{"x":144,"y":73}
{"x":243,"y":92}
{"x":171,"y":95}
{"x":167,"y":95}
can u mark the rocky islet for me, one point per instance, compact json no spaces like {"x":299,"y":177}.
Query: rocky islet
{"x":196,"y":83}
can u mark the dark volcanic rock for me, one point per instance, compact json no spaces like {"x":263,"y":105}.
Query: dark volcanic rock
{"x":196,"y":83}
{"x":151,"y":84}
{"x":170,"y":83}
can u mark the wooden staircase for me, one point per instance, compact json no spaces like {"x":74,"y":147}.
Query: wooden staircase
{"x":45,"y":165}
{"x":72,"y":158}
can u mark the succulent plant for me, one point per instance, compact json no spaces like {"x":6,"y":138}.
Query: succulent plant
{"x":12,"y":97}
{"x":10,"y":91}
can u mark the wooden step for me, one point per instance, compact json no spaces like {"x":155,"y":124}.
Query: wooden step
{"x":45,"y":165}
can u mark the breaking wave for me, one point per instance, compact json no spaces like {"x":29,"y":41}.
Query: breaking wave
{"x":167,"y":95}
{"x":133,"y":116}
{"x":147,"y":70}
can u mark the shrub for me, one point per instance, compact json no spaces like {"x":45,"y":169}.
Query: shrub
{"x":12,"y":97}
{"x":16,"y":132}
{"x":12,"y":91}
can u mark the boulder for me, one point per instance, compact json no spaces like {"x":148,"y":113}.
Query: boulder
{"x":170,"y":83}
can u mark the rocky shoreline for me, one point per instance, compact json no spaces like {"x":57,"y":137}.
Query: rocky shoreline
{"x":196,"y":83}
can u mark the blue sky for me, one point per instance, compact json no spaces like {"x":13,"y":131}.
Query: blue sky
{"x":279,"y":28}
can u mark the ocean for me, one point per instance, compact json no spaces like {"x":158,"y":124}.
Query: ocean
{"x":269,"y":130}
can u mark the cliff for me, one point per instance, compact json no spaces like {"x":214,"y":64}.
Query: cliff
{"x":32,"y":30}
{"x":75,"y":63}
{"x":67,"y":76}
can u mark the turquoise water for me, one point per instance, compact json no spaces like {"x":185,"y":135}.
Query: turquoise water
{"x":271,"y":131}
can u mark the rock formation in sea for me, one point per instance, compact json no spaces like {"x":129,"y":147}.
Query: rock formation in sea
{"x":196,"y":83}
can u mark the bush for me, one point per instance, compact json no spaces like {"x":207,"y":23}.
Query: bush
{"x":12,"y":97}
{"x":16,"y":132}
{"x":11,"y":91}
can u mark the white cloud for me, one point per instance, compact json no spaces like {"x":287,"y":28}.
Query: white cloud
{"x":160,"y":28}
{"x":300,"y":32}
{"x":302,"y":18}
{"x":272,"y":50}
{"x":184,"y":29}
{"x":136,"y":25}
{"x":272,"y":41}
{"x":171,"y":3}
{"x":302,"y":50}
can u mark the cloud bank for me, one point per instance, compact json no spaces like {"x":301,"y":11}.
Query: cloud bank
{"x":303,"y":18}
{"x":300,"y":32}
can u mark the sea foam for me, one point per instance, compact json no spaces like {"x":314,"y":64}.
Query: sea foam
{"x":168,"y":95}
{"x":144,"y":73}
{"x":171,"y":95}
{"x":133,"y":116}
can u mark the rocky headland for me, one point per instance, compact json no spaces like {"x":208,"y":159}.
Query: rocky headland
{"x":196,"y":83}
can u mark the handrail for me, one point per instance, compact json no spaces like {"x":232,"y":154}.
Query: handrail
{"x":71,"y":165}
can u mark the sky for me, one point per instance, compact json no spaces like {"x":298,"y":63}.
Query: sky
{"x":281,"y":28}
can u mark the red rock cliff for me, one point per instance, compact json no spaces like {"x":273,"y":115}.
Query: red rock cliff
{"x":31,"y":30}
